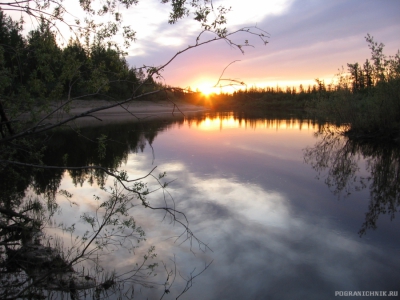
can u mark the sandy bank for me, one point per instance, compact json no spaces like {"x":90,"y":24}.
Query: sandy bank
{"x":133,"y":111}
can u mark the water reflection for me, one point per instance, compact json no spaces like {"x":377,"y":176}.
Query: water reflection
{"x":265,"y":240}
{"x":220,"y":121}
{"x":275,"y":232}
{"x":31,"y":204}
{"x":339,"y":157}
{"x":66,"y":147}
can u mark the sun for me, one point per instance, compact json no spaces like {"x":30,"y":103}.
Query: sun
{"x":207,"y":89}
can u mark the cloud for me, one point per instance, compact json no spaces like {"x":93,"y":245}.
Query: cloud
{"x":262,"y":244}
{"x":309,"y":39}
{"x":253,"y":11}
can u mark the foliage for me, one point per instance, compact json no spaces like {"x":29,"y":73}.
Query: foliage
{"x":367,"y":97}
{"x":46,"y":72}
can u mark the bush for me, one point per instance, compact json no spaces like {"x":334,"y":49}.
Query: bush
{"x":366,"y":98}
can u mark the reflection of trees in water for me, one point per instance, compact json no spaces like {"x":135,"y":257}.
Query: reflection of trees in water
{"x":260,"y":119}
{"x":384,"y":164}
{"x":339,"y":156}
{"x":30,"y":266}
{"x":34,"y":269}
{"x":67,"y":148}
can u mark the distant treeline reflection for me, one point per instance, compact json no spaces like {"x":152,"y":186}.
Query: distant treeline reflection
{"x":255,"y":119}
{"x":66,"y":148}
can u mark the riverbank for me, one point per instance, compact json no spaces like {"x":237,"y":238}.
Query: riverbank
{"x":132,"y":111}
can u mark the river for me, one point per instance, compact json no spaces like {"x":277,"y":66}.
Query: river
{"x":281,"y":211}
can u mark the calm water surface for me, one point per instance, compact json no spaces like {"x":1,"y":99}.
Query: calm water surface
{"x":281,"y":220}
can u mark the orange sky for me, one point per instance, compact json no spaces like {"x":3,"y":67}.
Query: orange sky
{"x":308,"y":39}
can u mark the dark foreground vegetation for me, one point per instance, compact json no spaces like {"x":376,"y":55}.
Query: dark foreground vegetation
{"x":35,"y":71}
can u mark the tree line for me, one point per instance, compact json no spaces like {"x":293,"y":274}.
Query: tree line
{"x":366,"y":96}
{"x":34,"y":68}
{"x":289,"y":97}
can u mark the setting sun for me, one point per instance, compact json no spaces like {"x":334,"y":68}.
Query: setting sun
{"x":207,"y":89}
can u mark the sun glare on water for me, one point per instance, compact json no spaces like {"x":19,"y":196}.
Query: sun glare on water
{"x":218,"y":123}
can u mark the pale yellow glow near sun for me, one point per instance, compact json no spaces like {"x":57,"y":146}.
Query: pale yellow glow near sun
{"x":207,"y":89}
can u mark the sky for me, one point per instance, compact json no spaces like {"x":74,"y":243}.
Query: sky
{"x":309,"y":39}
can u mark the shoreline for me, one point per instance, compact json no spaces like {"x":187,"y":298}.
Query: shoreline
{"x":132,"y":111}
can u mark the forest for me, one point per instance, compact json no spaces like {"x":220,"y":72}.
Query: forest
{"x":35,"y":70}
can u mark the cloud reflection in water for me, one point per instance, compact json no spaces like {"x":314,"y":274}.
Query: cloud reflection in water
{"x":266,"y":241}
{"x":261,"y":249}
